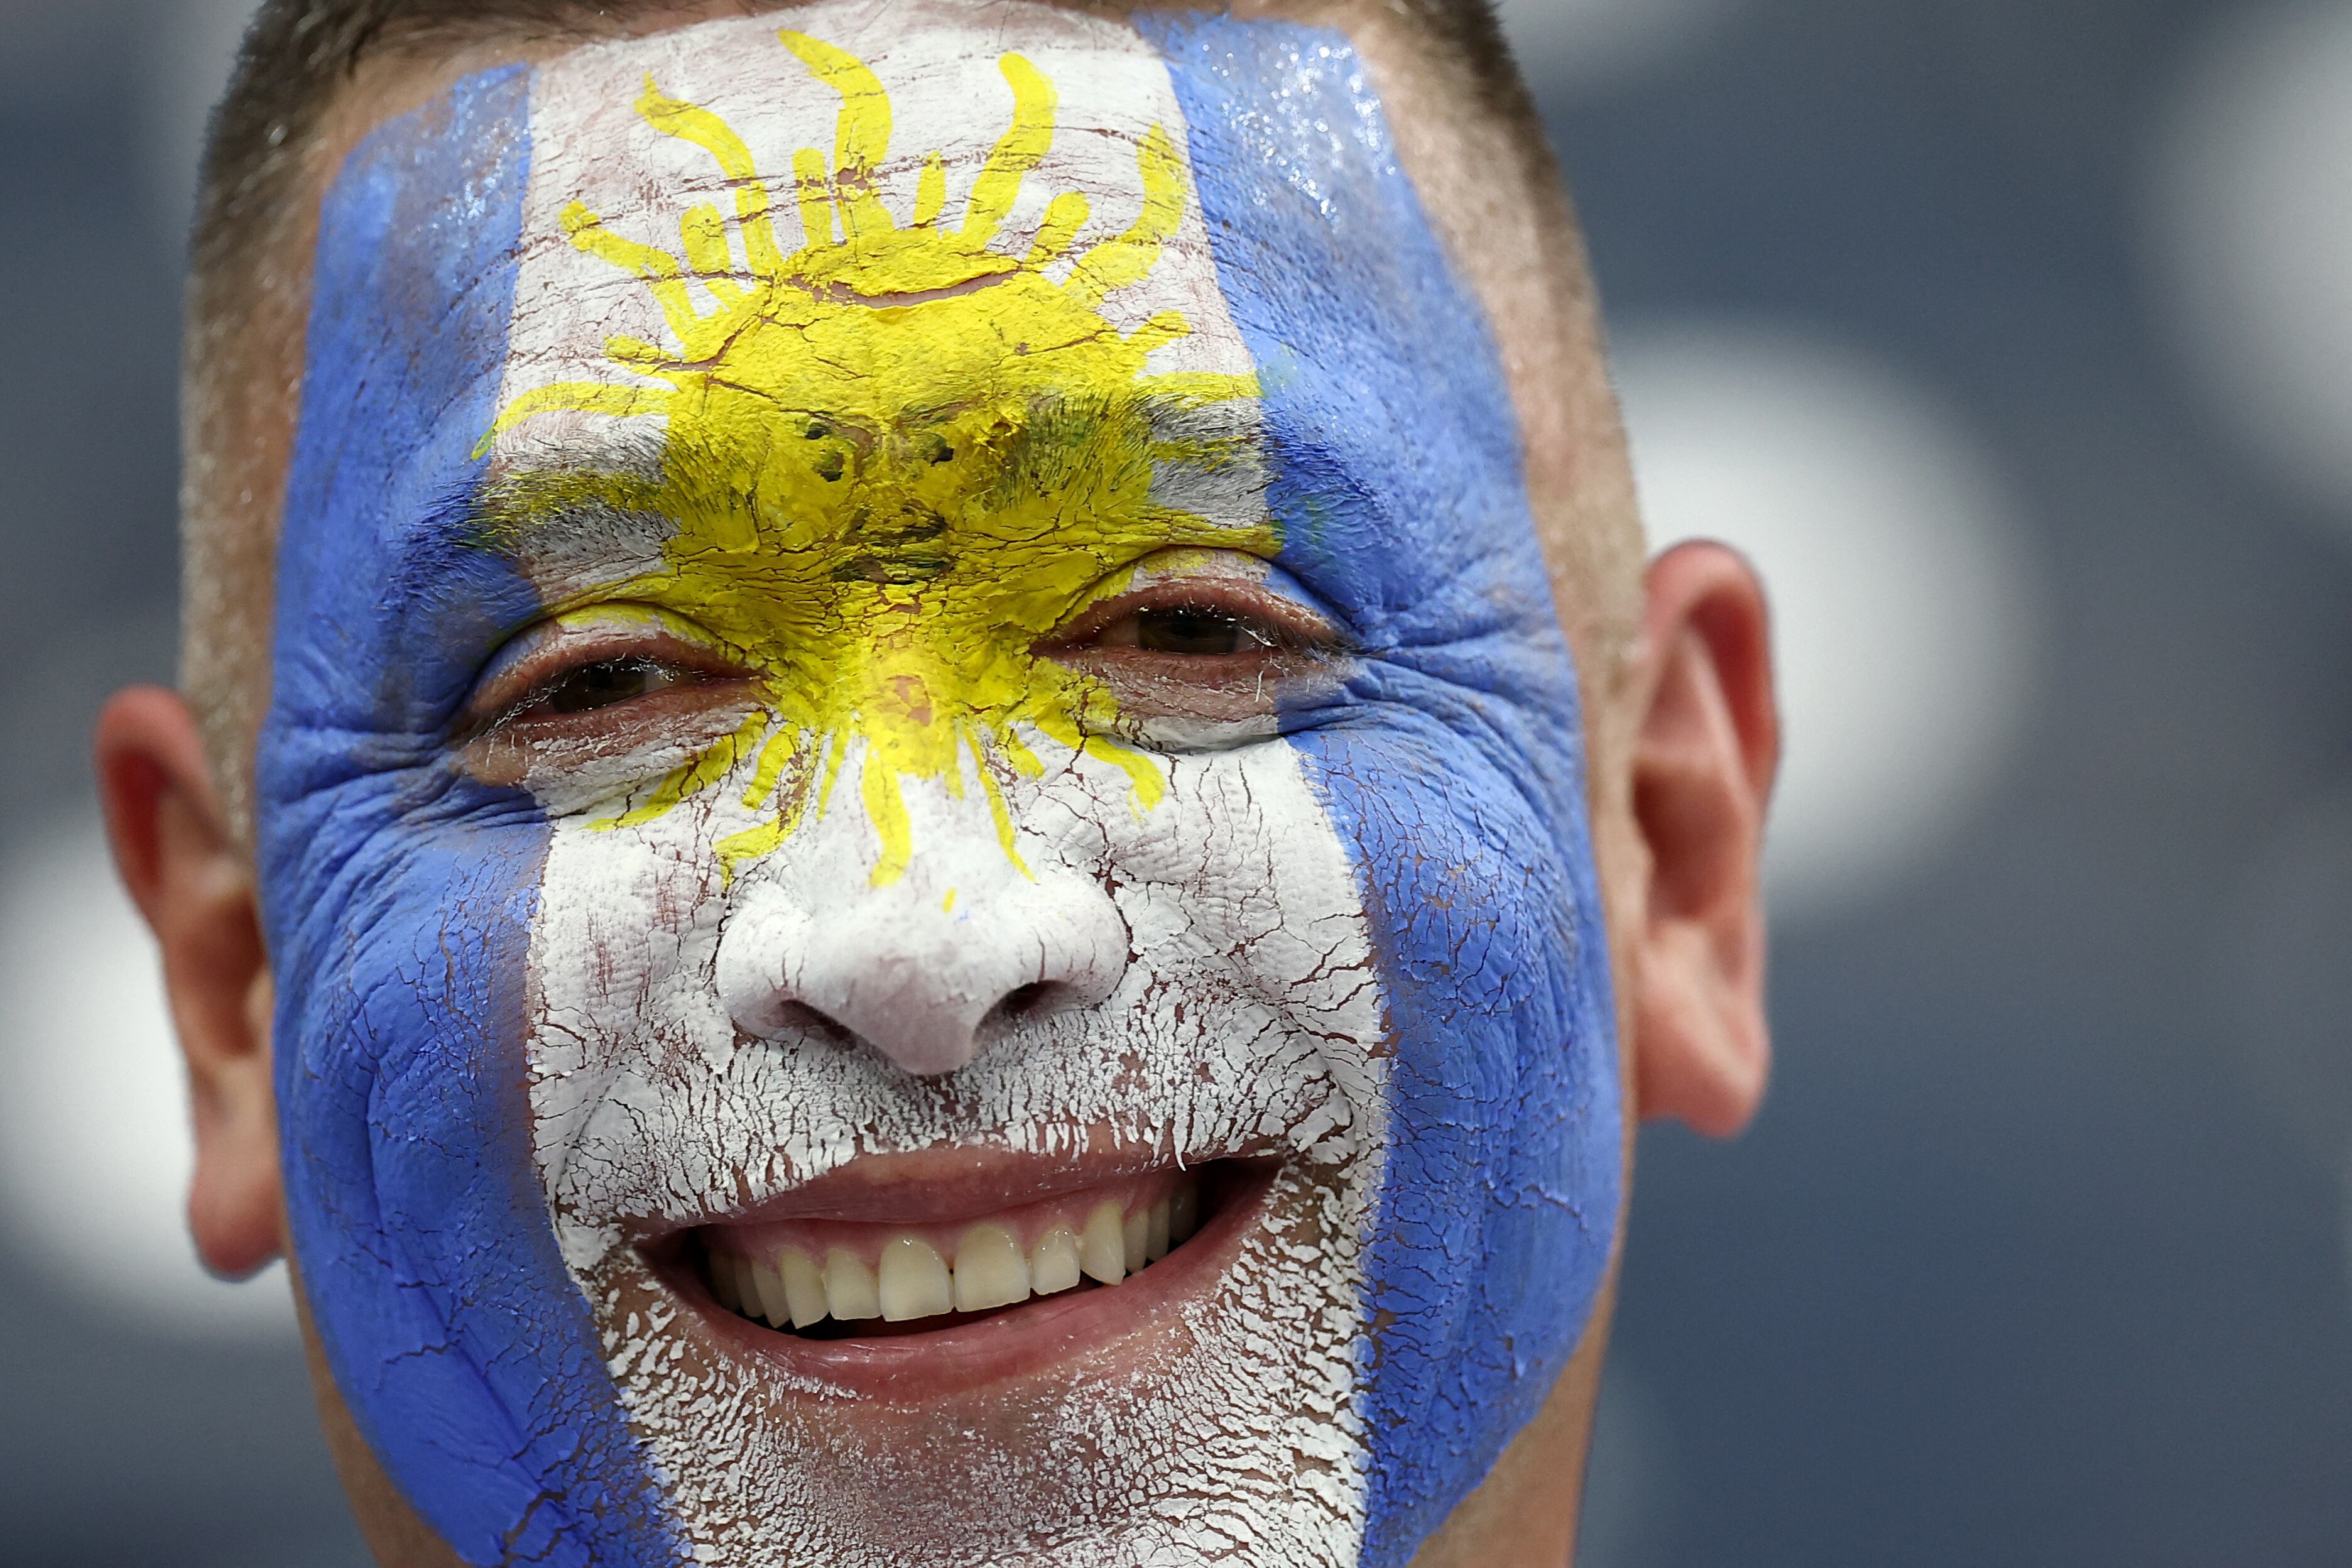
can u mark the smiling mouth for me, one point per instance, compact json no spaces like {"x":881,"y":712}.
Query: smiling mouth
{"x":835,"y":1279}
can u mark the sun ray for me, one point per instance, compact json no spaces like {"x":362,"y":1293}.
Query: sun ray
{"x":657,"y":266}
{"x":885,"y":808}
{"x":753,"y":843}
{"x":1116,"y":263}
{"x":813,"y":188}
{"x":930,"y":190}
{"x":1013,"y":750}
{"x":861,"y":132}
{"x":1200,"y":388}
{"x":576,"y":397}
{"x":693,"y":777}
{"x":1018,"y":151}
{"x":1160,"y":331}
{"x":1065,"y":215}
{"x":692,"y":123}
{"x":781,"y":749}
{"x":835,"y":752}
{"x":1002,"y":816}
{"x":707,"y":254}
{"x":622,"y":349}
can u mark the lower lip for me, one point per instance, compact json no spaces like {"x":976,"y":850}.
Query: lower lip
{"x":1038,"y":1335}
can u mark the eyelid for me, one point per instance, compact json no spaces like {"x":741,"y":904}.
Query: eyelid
{"x":532,"y":657}
{"x":1248,"y":600}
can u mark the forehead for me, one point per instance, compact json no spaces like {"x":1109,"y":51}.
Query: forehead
{"x":541,"y":224}
{"x":831,"y":100}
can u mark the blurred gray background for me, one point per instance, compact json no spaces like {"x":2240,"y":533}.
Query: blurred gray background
{"x":2014,"y":339}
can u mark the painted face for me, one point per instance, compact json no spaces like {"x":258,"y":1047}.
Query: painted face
{"x":922,"y":823}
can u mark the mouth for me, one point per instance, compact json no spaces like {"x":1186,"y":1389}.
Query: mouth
{"x":892,"y":1278}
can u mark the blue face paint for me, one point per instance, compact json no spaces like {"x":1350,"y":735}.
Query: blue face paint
{"x":1454,"y":762}
{"x":419,"y":917}
{"x":397,"y":892}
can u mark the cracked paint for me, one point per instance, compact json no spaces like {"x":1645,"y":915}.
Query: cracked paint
{"x":531,"y":995}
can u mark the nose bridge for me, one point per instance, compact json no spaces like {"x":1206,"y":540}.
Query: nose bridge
{"x":928,"y":967}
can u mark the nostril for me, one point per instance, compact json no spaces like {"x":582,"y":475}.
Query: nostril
{"x":1019,"y":1005}
{"x":799,"y":1017}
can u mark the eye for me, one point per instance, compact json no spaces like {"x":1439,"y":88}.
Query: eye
{"x":600,"y":697}
{"x":597,"y":670}
{"x":601,"y":684}
{"x":1217,"y":647}
{"x":1206,"y":626}
{"x":1196,"y":631}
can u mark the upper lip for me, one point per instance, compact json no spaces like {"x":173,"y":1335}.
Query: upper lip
{"x":936,"y":1187}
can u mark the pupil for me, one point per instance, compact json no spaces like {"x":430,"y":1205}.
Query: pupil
{"x":1200,"y":633}
{"x":603,"y":684}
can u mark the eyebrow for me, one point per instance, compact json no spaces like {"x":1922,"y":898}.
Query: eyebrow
{"x":539,"y":480}
{"x":575,"y":508}
{"x":554,"y":511}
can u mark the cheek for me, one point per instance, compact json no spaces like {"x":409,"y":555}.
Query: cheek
{"x":634,"y":1076}
{"x":402,"y":978}
{"x":1498,"y":1205}
{"x":399,"y":936}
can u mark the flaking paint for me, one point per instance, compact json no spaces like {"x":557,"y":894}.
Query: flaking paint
{"x":1362,"y":931}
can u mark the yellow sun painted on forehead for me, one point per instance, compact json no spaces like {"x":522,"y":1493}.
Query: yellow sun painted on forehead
{"x":897,"y":458}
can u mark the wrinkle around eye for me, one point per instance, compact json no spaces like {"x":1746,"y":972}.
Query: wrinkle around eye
{"x":1181,"y":685}
{"x":553,"y":711}
{"x":611,"y":751}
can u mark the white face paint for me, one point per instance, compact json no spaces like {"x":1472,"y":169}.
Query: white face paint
{"x":1203,"y":971}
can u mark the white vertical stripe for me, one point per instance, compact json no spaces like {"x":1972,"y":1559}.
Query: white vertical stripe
{"x":1239,"y":896}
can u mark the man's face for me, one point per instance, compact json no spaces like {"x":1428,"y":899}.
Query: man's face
{"x":921,"y":825}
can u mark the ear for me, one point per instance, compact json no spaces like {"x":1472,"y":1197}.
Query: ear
{"x":1703,"y":759}
{"x":193,"y":882}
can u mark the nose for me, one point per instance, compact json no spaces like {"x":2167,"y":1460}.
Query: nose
{"x":925,"y":980}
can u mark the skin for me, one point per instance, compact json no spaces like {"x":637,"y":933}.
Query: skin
{"x":1682,"y":744}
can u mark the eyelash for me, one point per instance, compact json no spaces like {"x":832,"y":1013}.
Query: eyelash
{"x":1269,"y":627}
{"x":510,"y":697}
{"x":551,"y":690}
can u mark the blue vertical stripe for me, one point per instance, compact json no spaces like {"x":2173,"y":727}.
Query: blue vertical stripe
{"x":398,"y":891}
{"x":1453,"y":764}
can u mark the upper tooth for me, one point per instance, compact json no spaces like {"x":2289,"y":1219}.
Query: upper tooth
{"x":989,"y":1270}
{"x":849,"y":1291}
{"x":770,"y":1292}
{"x":1054,"y":1266}
{"x":803,"y":1287}
{"x":1102,"y":1250}
{"x":914,"y":1282}
{"x":1183,"y":1212}
{"x":1134,"y":1236}
{"x":722,"y":1282}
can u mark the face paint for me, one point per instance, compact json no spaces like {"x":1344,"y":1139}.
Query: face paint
{"x":843,"y":390}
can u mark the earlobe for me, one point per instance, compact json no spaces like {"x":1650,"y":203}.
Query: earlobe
{"x":193,"y":882}
{"x":1703,"y":759}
